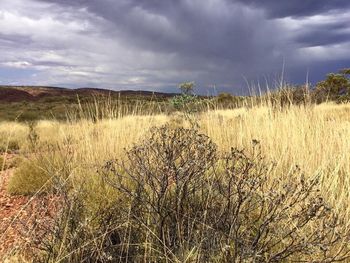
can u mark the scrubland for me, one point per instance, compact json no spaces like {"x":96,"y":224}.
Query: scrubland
{"x":74,"y":154}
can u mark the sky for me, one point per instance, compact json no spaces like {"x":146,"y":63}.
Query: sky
{"x":222,"y":45}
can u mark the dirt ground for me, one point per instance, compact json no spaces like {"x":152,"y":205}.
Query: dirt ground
{"x":24,"y":220}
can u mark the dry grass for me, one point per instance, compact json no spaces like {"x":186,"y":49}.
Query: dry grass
{"x":314,"y":137}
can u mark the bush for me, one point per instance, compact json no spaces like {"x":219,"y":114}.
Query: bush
{"x":180,"y":200}
{"x":187,"y":101}
{"x":183,"y":101}
{"x":187,"y":88}
{"x":335,"y":87}
{"x":29,"y":178}
{"x":288,"y":96}
{"x":44,"y":172}
{"x":226,"y":100}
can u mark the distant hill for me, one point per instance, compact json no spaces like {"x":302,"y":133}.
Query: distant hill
{"x":34,"y":93}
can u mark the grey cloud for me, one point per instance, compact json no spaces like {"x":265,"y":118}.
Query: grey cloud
{"x":324,"y":34}
{"x":145,"y":44}
{"x":297,"y":8}
{"x":212,"y":41}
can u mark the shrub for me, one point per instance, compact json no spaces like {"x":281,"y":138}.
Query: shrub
{"x":334,"y":87}
{"x":187,"y":88}
{"x":183,"y":101}
{"x":28,"y":178}
{"x":288,"y":96}
{"x":187,"y":97}
{"x":42,"y":172}
{"x":226,"y":100}
{"x":188,"y":106}
{"x":334,"y":83}
{"x":180,"y":200}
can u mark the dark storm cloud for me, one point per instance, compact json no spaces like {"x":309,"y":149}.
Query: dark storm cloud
{"x":298,"y":8}
{"x":201,"y":36}
{"x":324,"y":34}
{"x":318,"y":37}
{"x":155,"y":44}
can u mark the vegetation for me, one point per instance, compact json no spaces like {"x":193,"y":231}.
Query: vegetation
{"x":57,"y":106}
{"x":335,"y":86}
{"x":187,"y":88}
{"x":9,"y":146}
{"x":29,"y":178}
{"x":9,"y":163}
{"x":178,"y":200}
{"x":190,"y":178}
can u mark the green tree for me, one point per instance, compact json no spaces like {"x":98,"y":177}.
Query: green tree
{"x":187,"y":103}
{"x":345,"y":71}
{"x":187,"y":96}
{"x":187,"y":88}
{"x":336,"y":83}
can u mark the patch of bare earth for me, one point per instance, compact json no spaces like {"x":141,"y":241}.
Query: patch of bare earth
{"x":24,"y":220}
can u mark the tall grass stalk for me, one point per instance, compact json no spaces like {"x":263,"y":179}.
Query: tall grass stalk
{"x":314,"y":137}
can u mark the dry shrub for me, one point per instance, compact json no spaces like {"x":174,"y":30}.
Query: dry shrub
{"x":180,"y":200}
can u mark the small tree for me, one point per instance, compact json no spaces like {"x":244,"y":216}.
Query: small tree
{"x":186,"y":102}
{"x":187,"y":88}
{"x":335,"y":84}
{"x":345,"y":71}
{"x":335,"y":87}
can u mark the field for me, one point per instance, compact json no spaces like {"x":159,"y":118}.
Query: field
{"x":314,"y":138}
{"x":26,"y":103}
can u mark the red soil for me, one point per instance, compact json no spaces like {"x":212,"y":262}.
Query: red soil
{"x":24,"y":220}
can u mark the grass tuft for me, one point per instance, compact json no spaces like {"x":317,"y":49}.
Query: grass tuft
{"x":29,"y":178}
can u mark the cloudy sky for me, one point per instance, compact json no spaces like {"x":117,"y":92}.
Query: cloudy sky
{"x":156,"y":44}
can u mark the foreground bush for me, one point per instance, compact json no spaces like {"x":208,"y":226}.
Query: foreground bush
{"x":179,"y":200}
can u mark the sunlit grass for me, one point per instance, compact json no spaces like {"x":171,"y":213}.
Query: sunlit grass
{"x":316,"y":138}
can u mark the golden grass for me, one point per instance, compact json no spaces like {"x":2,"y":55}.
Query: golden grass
{"x":314,"y":137}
